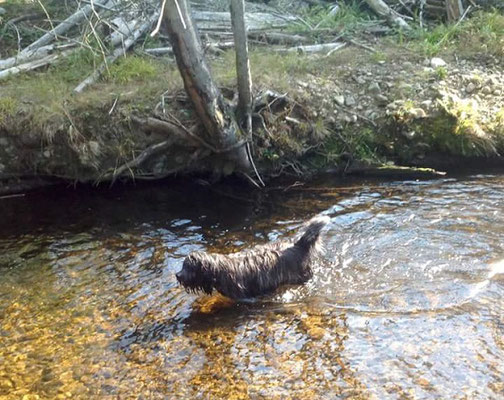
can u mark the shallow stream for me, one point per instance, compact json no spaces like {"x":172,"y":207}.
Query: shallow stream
{"x":407,"y":301}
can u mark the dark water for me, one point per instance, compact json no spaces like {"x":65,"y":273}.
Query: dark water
{"x":407,"y":302}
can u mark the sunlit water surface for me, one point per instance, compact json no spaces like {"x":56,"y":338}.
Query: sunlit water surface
{"x":407,"y":301}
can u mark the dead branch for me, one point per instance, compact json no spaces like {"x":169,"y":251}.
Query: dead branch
{"x":136,"y":162}
{"x":151,"y":124}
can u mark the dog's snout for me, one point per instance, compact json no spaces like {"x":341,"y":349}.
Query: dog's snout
{"x":178,"y":275}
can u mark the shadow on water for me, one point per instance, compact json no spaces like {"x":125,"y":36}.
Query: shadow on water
{"x":405,"y":303}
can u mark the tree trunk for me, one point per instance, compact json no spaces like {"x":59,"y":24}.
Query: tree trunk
{"x":211,"y":107}
{"x":242,"y":59}
{"x":454,"y":10}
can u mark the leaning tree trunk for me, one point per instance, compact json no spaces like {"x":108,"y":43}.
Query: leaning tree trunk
{"x":211,"y":107}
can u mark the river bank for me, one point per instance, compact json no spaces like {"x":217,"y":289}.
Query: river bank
{"x":431,"y":100}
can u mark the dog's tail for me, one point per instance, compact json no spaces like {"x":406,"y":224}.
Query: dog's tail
{"x":312,"y":232}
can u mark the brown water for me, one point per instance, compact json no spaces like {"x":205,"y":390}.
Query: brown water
{"x":407,"y":302}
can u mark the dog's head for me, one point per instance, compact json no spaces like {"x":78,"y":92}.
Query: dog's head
{"x":195,"y":274}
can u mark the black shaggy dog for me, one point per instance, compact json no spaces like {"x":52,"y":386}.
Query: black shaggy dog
{"x":254,"y":272}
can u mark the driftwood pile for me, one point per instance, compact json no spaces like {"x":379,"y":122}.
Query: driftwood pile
{"x":125,"y":23}
{"x":117,"y":25}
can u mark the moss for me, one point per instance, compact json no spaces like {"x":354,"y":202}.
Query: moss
{"x":454,"y":129}
{"x":379,"y":56}
{"x":133,"y":68}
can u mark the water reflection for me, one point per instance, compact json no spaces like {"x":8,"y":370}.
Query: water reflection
{"x":406,"y":303}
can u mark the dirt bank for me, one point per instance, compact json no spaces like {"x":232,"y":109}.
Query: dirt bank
{"x":377,"y":101}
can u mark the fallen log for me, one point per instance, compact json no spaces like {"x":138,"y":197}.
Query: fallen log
{"x":316,"y":48}
{"x":212,"y":21}
{"x":75,"y":19}
{"x":383,"y":10}
{"x":36,"y":54}
{"x":33,"y":64}
{"x":278,"y":38}
{"x":128,"y":42}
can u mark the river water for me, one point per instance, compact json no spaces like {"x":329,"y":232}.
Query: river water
{"x":407,"y":301}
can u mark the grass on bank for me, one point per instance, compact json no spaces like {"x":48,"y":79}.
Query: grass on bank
{"x":482,"y":33}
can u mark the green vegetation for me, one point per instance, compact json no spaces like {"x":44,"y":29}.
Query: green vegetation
{"x":482,"y":33}
{"x":348,"y":16}
{"x":133,"y":68}
{"x":8,"y":106}
{"x":441,"y":73}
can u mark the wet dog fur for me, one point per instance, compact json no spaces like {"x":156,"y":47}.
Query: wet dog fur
{"x":255,"y":272}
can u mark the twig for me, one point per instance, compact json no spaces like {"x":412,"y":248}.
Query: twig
{"x":10,"y":196}
{"x":142,"y":157}
{"x":360,"y":45}
{"x":180,"y":15}
{"x":21,"y":18}
{"x":160,"y":20}
{"x":249,"y":178}
{"x":47,"y":14}
{"x":113,"y":105}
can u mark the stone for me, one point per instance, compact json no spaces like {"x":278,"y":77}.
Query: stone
{"x":2,"y":11}
{"x":437,"y":62}
{"x":47,"y":153}
{"x":350,"y":101}
{"x":476,"y":79}
{"x":381,"y":99}
{"x":4,"y":142}
{"x":360,"y":80}
{"x":486,"y":90}
{"x":492,"y":81}
{"x":470,"y":88}
{"x":374,"y":88}
{"x":417,"y":113}
{"x":340,"y":100}
{"x":426,"y":103}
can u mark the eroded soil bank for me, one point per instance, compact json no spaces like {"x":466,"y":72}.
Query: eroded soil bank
{"x":389,"y":102}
